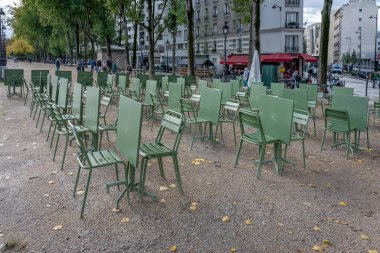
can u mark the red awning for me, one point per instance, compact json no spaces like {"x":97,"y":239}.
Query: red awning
{"x":308,"y":58}
{"x":279,"y":57}
{"x":237,"y":59}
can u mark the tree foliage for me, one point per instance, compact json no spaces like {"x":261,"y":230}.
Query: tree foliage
{"x":20,"y":47}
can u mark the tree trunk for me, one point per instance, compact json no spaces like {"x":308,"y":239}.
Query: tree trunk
{"x":126,"y":46}
{"x":134,"y":53}
{"x":325,"y":26}
{"x":151,"y":37}
{"x":77,"y":40}
{"x":108,"y":44}
{"x":174,"y":36}
{"x":190,"y":37}
{"x":254,"y":31}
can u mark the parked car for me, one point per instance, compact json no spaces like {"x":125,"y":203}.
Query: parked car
{"x":336,"y":68}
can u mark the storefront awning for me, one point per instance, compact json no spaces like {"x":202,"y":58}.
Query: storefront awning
{"x":278,"y":57}
{"x":236,"y":59}
{"x":308,"y":58}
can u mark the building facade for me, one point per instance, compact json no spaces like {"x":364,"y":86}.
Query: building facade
{"x":312,"y":39}
{"x":354,"y":30}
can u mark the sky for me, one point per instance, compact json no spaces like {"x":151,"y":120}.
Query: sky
{"x":312,"y":9}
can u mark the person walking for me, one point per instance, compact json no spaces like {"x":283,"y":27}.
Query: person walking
{"x":245,"y":77}
{"x":98,"y":66}
{"x":58,"y":64}
{"x":92,"y":64}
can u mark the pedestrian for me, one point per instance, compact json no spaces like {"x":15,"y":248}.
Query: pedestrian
{"x":109,"y":66}
{"x":58,"y":64}
{"x":114,"y":68}
{"x":104,"y":66}
{"x":245,"y":77}
{"x":98,"y":66}
{"x":92,"y":64}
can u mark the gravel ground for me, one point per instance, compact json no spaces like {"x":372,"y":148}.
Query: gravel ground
{"x":291,"y":212}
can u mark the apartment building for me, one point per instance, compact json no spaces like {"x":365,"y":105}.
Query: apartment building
{"x":354,"y":29}
{"x":312,"y":39}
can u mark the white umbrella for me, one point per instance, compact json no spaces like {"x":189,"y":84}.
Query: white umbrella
{"x":254,"y":73}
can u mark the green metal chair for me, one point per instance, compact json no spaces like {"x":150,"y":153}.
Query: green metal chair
{"x":174,"y":123}
{"x":337,"y":121}
{"x":276,"y":89}
{"x":123,"y":83}
{"x":105,"y":103}
{"x":77,"y":105}
{"x":127,"y":143}
{"x":300,"y":122}
{"x":252,"y":132}
{"x":312,"y":98}
{"x":243,"y":99}
{"x":229,"y":116}
{"x":192,"y":119}
{"x":376,"y":113}
{"x":158,"y":107}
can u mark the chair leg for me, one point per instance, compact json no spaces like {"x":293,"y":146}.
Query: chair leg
{"x":323,"y":139}
{"x":348,"y":143}
{"x":43,"y":120}
{"x":238,"y":152}
{"x":233,"y":127}
{"x":56,"y":146}
{"x":177,"y":174}
{"x":261,"y":159}
{"x":303,"y":153}
{"x":52,"y":137}
{"x":144,"y":162}
{"x":315,"y":131}
{"x":117,"y":175}
{"x":26,"y":96}
{"x":51,"y":123}
{"x":64,"y":151}
{"x":77,"y":180}
{"x":162,"y":174}
{"x":85,"y":193}
{"x":126,"y":190}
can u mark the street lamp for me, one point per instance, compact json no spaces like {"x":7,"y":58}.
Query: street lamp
{"x":276,"y":6}
{"x":349,"y":50}
{"x":225,"y":32}
{"x":360,"y":46}
{"x":167,"y":56}
{"x":3,"y":57}
{"x":141,"y":48}
{"x":375,"y":57}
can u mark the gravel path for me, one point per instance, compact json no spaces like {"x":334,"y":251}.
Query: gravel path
{"x":291,"y":212}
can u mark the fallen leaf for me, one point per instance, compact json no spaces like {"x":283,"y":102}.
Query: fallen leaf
{"x":326,"y":243}
{"x":173,"y":186}
{"x":341,"y":222}
{"x":193,"y":208}
{"x":70,"y":173}
{"x":234,"y":203}
{"x":280,"y":224}
{"x":193,"y":203}
{"x":226,"y":219}
{"x":196,"y":163}
{"x":364,"y":237}
{"x":372,"y":251}
{"x":163,"y":188}
{"x":46,"y":195}
{"x":316,"y":228}
{"x":342,"y":203}
{"x":311,"y":185}
{"x":1,"y":234}
{"x":248,"y":222}
{"x":173,"y":248}
{"x":233,"y":250}
{"x":116,"y":210}
{"x":125,"y":220}
{"x":359,"y":160}
{"x":316,"y":248}
{"x":162,"y":201}
{"x":54,"y":172}
{"x":58,"y":227}
{"x":80,"y":192}
{"x":50,"y":182}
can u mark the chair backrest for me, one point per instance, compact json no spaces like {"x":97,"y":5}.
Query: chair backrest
{"x":39,"y":78}
{"x":301,"y":118}
{"x":243,"y":99}
{"x":251,"y":120}
{"x":335,"y":115}
{"x":173,"y":122}
{"x":165,"y":83}
{"x":78,"y":139}
{"x":64,"y":74}
{"x":156,"y":100}
{"x":123,"y":84}
{"x":344,"y":90}
{"x":85,"y":78}
{"x":182,"y":82}
{"x":216,"y":82}
{"x":230,"y":109}
{"x":255,"y":93}
{"x":54,"y":89}
{"x":151,"y":87}
{"x":187,"y":106}
{"x":77,"y":109}
{"x":92,"y":109}
{"x":376,"y":108}
{"x":175,"y":93}
{"x":129,"y":129}
{"x":48,"y":86}
{"x":136,"y":86}
{"x":209,"y":107}
{"x":201,"y":83}
{"x":227,"y":92}
{"x":110,"y":80}
{"x":101,"y":80}
{"x":312,"y":91}
{"x":357,"y":108}
{"x":235,"y":86}
{"x":14,"y":77}
{"x":276,"y":116}
{"x":277,"y":88}
{"x":298,"y":96}
{"x":62,"y":94}
{"x":106,"y":100}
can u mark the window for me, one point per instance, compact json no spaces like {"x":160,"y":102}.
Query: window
{"x":197,"y":31}
{"x":239,"y":28}
{"x":205,"y":47}
{"x":160,"y":6}
{"x":214,"y":45}
{"x":185,"y":34}
{"x":206,"y":1}
{"x":240,"y":45}
{"x":360,"y":19}
{"x":197,"y":48}
{"x":234,"y":43}
{"x":198,"y":15}
{"x":291,"y":43}
{"x":226,"y":9}
{"x":206,"y":14}
{"x":214,"y":29}
{"x":215,"y":11}
{"x":291,"y":20}
{"x":378,"y":43}
{"x":179,"y":33}
{"x":360,"y":10}
{"x":206,"y":30}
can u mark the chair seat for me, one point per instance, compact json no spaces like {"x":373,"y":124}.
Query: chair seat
{"x":337,"y":126}
{"x":153,"y":149}
{"x":103,"y":158}
{"x":68,"y":117}
{"x":256,"y":138}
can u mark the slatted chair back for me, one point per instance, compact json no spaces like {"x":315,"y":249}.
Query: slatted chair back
{"x":62,"y":93}
{"x":92,"y":109}
{"x":250,"y":122}
{"x":175,"y":93}
{"x":54,"y":89}
{"x":136,"y":86}
{"x":77,"y":109}
{"x":242,"y":97}
{"x":123,"y":85}
{"x":151,"y":87}
{"x":165,"y":83}
{"x":255,"y":93}
{"x":173,"y":122}
{"x":301,"y":118}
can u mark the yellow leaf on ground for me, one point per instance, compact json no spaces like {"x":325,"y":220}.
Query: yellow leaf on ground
{"x":173,"y":248}
{"x":193,"y":203}
{"x":316,"y":248}
{"x":80,"y":192}
{"x":125,"y":220}
{"x":162,"y":201}
{"x":248,"y":222}
{"x":173,"y":186}
{"x":342,"y":203}
{"x":316,"y":228}
{"x":341,"y":222}
{"x":50,"y":182}
{"x":58,"y":227}
{"x":163,"y":188}
{"x":359,"y":160}
{"x":364,"y":237}
{"x":226,"y":219}
{"x":372,"y":251}
{"x":233,"y":249}
{"x":116,"y":210}
{"x":193,"y":208}
{"x":326,"y":243}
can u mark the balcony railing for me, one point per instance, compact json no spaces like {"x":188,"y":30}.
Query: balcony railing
{"x":292,"y":3}
{"x":206,"y":17}
{"x":291,"y":49}
{"x":226,"y":13}
{"x":214,"y":15}
{"x":239,"y":50}
{"x":239,"y":30}
{"x":213,"y":50}
{"x":205,"y":34}
{"x":292,"y":25}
